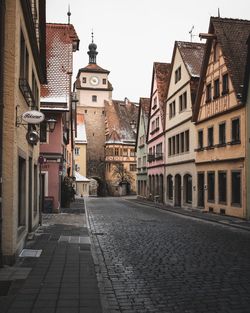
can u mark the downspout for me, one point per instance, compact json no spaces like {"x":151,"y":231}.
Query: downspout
{"x":2,"y":35}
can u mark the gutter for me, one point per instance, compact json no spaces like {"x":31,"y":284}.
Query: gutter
{"x":2,"y":35}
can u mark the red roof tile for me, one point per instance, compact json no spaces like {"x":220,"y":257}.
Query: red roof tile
{"x":192,"y":54}
{"x":59,"y":39}
{"x":119,"y":115}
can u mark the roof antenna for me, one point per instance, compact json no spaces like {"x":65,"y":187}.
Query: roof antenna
{"x":191,"y":33}
{"x":69,"y":13}
{"x":218,"y":12}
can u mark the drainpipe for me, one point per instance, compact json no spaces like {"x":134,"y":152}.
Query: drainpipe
{"x":2,"y":21}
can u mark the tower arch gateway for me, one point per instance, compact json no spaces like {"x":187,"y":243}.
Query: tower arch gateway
{"x":93,"y":89}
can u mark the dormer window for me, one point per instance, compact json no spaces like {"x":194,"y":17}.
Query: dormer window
{"x":104,"y":81}
{"x":154,"y":103}
{"x":84,"y":80}
{"x":178,"y":74}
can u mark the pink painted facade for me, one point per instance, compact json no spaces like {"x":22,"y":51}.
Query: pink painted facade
{"x":155,"y":133}
{"x":52,"y":169}
{"x":57,"y":103}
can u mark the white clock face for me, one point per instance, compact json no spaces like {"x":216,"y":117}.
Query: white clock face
{"x":94,"y":80}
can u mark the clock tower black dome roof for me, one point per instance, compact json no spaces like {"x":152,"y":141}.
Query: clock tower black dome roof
{"x":92,"y":51}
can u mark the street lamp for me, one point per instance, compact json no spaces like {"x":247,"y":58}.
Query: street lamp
{"x":51,"y":122}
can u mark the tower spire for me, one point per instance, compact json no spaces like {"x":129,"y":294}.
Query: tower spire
{"x":68,"y":13}
{"x":92,"y":50}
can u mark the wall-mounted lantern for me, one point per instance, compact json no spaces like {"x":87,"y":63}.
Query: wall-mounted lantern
{"x":51,"y":124}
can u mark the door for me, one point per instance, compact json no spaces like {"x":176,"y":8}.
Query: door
{"x":201,"y":190}
{"x":177,"y":185}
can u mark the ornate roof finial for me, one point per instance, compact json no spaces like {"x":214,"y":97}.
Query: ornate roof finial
{"x":92,"y":50}
{"x":69,"y":13}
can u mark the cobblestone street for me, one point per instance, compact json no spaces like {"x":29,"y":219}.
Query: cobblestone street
{"x":152,"y":260}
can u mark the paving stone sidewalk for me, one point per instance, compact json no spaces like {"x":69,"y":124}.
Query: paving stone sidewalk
{"x":63,"y":278}
{"x":197,"y":213}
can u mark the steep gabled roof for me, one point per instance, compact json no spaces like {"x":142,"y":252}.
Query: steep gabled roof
{"x":247,"y":75}
{"x":192,"y":56}
{"x":119,"y":115}
{"x":161,"y":72}
{"x":231,"y":35}
{"x":59,"y":61}
{"x":144,"y":107}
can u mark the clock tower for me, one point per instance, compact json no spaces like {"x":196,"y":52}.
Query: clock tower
{"x":93,"y":89}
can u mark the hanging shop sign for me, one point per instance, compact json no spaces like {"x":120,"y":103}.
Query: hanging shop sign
{"x":33,"y":117}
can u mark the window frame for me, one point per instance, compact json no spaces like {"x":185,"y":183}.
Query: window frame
{"x":221,"y":186}
{"x":233,"y":188}
{"x":210,"y":174}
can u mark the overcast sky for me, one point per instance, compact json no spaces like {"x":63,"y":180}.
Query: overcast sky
{"x":132,"y":34}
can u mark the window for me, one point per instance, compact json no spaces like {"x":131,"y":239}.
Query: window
{"x":169,"y":146}
{"x":21,"y":191}
{"x":132,"y":152}
{"x":153,"y":126}
{"x":159,"y":151}
{"x":132,"y":167}
{"x":225,"y":87}
{"x":116,"y":151}
{"x":104,"y":81}
{"x":222,"y":133}
{"x":178,"y":144}
{"x":170,"y":187}
{"x":125,"y":152}
{"x":154,"y":103}
{"x":77,"y":168}
{"x":187,"y":140}
{"x":157,"y":122}
{"x":94,"y":98}
{"x":183,"y":101}
{"x":178,"y":74}
{"x":43,"y":132}
{"x":172,"y":109}
{"x":236,"y":188}
{"x":200,"y":139}
{"x":77,"y":151}
{"x":139,"y":162}
{"x":210,"y":186}
{"x":142,"y":140}
{"x":24,"y":59}
{"x":236,"y":130}
{"x":144,"y":160}
{"x":173,"y":142}
{"x":84,"y":80}
{"x":210,"y":137}
{"x":182,"y":142}
{"x":216,"y":88}
{"x":208,"y":93}
{"x":222,"y":187}
{"x":188,"y":188}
